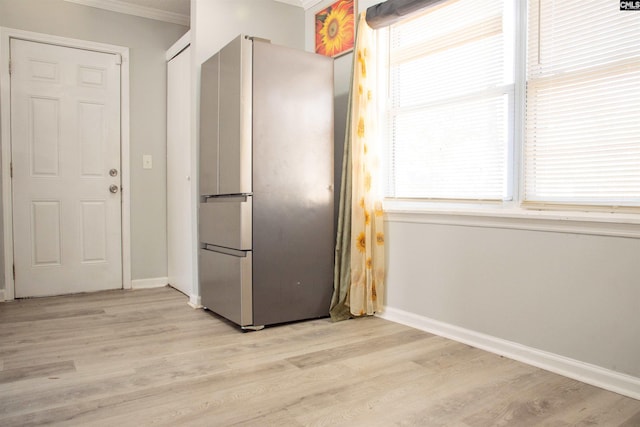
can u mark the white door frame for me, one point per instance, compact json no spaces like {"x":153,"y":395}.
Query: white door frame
{"x":6,"y":34}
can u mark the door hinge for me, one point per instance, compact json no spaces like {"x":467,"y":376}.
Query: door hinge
{"x":9,"y":67}
{"x":14,"y":272}
{"x":118,"y":59}
{"x":11,"y":170}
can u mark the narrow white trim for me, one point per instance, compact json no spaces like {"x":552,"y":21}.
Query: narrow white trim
{"x":291,"y":2}
{"x":154,"y":282}
{"x":195,"y":301}
{"x":125,"y":151}
{"x":305,"y":4}
{"x":5,"y":141}
{"x":180,"y":45}
{"x":6,"y":34}
{"x":591,"y":374}
{"x":194,"y":166}
{"x":308,"y":4}
{"x":136,"y":10}
{"x":616,"y":225}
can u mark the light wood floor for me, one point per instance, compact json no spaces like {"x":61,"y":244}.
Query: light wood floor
{"x":146,"y":358}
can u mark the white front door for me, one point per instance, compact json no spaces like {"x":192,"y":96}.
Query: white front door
{"x":65,"y":148}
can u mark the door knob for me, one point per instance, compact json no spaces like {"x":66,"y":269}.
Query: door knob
{"x":113,"y":172}
{"x":113,"y":188}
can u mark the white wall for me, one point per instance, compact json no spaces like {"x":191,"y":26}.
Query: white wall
{"x":572,"y":295}
{"x":214,"y":23}
{"x":569,"y":294}
{"x":148,"y":40}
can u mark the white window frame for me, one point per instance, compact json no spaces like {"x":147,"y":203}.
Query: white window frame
{"x":513,"y":214}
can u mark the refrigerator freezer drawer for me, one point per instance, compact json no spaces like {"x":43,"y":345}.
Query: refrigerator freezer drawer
{"x":225,"y":284}
{"x":226,"y":222}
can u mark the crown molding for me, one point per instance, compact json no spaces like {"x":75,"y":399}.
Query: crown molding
{"x":130,"y":9}
{"x":308,"y":4}
{"x":305,"y":4}
{"x":292,"y":2}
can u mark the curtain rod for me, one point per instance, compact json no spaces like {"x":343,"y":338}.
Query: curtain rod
{"x":391,"y":11}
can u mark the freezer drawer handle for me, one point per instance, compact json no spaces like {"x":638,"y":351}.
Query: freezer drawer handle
{"x":226,"y":251}
{"x":225,"y":198}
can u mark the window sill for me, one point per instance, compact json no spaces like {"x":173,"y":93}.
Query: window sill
{"x":514,"y":217}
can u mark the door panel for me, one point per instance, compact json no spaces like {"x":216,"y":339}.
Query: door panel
{"x":93,"y":231}
{"x":92,"y":143}
{"x":92,"y":77}
{"x":43,"y":70}
{"x":43,"y":138}
{"x":45,"y":233}
{"x":65,"y":137}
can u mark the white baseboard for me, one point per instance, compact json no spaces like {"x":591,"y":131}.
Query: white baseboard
{"x":195,"y":301}
{"x":1,"y":295}
{"x":154,"y":282}
{"x":591,"y":374}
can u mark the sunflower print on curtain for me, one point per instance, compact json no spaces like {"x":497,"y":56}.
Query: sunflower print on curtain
{"x":366,"y":293}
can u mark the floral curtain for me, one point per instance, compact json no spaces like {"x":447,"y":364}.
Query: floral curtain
{"x":359,"y":275}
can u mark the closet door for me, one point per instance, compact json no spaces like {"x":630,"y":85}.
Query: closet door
{"x":179,"y":205}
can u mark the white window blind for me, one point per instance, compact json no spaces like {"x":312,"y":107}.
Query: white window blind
{"x":450,"y":102}
{"x":582,"y":143}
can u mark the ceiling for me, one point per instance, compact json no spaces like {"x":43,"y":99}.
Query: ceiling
{"x":175,"y":11}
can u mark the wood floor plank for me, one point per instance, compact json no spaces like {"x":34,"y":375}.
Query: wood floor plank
{"x":48,"y":370}
{"x":29,"y":316}
{"x":136,"y":358}
{"x":632,"y":421}
{"x":394,"y":402}
{"x":531,"y":407}
{"x":144,"y":405}
{"x":349,"y":350}
{"x":276,"y":344}
{"x":604,"y":409}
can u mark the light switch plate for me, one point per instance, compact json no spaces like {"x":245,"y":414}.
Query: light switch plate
{"x":147,"y":161}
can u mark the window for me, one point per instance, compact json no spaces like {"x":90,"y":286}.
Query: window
{"x":450,"y":103}
{"x":582,"y":143}
{"x":453,"y":94}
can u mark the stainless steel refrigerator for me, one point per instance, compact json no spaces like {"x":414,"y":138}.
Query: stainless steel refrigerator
{"x":266,"y":183}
